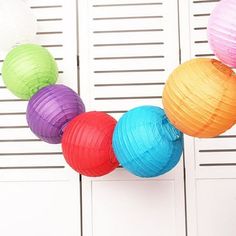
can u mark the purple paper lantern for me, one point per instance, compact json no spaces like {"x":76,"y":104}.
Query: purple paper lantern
{"x":50,"y":109}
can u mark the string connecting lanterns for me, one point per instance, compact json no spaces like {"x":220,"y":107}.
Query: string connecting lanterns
{"x":199,"y":100}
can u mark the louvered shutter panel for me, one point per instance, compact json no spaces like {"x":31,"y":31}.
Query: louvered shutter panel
{"x":39,"y":192}
{"x":210,"y":163}
{"x":127,"y":50}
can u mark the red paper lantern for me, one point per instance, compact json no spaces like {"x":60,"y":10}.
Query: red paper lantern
{"x":87,"y":144}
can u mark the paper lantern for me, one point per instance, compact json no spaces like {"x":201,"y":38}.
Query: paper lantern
{"x":145,"y":143}
{"x":17,"y":24}
{"x":87,"y":144}
{"x":50,"y":109}
{"x":28,"y":68}
{"x":222,"y":31}
{"x":199,"y":98}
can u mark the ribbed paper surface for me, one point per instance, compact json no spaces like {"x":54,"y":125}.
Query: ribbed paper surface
{"x":27,"y":68}
{"x":222,"y":31}
{"x":87,"y":144}
{"x":145,"y":143}
{"x":50,"y":110}
{"x":199,"y":97}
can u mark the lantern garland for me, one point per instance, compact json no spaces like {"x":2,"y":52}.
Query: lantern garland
{"x":199,"y":100}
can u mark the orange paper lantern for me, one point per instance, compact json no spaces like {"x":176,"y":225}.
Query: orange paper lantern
{"x":200,"y":97}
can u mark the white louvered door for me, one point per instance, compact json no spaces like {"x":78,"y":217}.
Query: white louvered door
{"x":127,"y":50}
{"x":210,"y":163}
{"x":39,"y":193}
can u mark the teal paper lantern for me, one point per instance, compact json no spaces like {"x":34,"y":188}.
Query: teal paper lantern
{"x":146,"y":143}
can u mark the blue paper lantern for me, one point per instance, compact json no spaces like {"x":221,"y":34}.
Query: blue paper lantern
{"x":146,"y":143}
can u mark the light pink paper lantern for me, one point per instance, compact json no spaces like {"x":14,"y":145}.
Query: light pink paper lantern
{"x":222,"y":31}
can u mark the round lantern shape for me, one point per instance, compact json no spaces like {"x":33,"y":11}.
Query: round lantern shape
{"x":145,"y":143}
{"x":87,"y":144}
{"x":28,"y":68}
{"x":222,"y":31}
{"x":50,"y":109}
{"x":199,"y":98}
{"x":17,"y":24}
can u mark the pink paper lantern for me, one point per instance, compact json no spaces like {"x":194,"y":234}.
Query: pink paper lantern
{"x":222,"y":31}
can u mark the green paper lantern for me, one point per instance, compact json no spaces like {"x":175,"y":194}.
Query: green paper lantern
{"x":28,"y":68}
